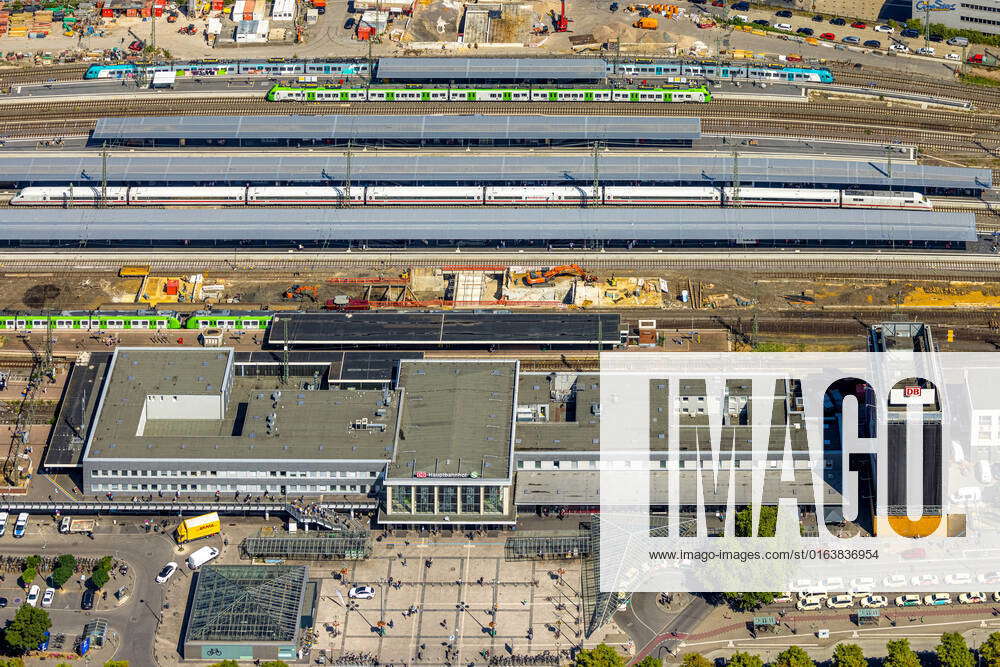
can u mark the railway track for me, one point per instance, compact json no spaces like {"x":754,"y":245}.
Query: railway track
{"x":889,"y":80}
{"x":19,"y":76}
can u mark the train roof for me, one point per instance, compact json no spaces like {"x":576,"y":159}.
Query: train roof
{"x":24,"y":169}
{"x":484,"y":223}
{"x":429,"y":127}
{"x":491,"y":69}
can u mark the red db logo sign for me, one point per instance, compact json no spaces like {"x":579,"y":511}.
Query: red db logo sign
{"x":911,"y":391}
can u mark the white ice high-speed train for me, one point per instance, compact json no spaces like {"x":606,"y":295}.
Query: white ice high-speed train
{"x":467,"y":195}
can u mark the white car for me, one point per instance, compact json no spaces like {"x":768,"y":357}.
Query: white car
{"x":875,"y":601}
{"x":937,"y":599}
{"x":167,"y":572}
{"x":894,"y":581}
{"x":50,"y":594}
{"x":958,"y":579}
{"x":989,"y":578}
{"x":33,"y":592}
{"x":884,"y":28}
{"x":996,"y":597}
{"x":833,"y":584}
{"x":840,"y":602}
{"x":953,"y":56}
{"x":800,"y":585}
{"x":971,"y":598}
{"x":783,"y":26}
{"x":862,"y":586}
{"x":361,"y":593}
{"x":926,"y":51}
{"x":908,"y":601}
{"x":901,"y":48}
{"x":925,"y":580}
{"x":811,"y":603}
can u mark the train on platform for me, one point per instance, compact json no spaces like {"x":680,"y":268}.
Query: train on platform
{"x":368,"y":195}
{"x":720,"y":71}
{"x":276,"y":67}
{"x":411,"y":93}
{"x":100,"y":321}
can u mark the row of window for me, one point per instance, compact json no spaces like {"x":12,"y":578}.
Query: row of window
{"x":974,"y":19}
{"x":239,"y":474}
{"x":689,"y":464}
{"x":981,"y":8}
{"x":447,"y":499}
{"x":230,"y":488}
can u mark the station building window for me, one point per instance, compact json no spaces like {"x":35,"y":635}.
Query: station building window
{"x":493,"y":499}
{"x":425,"y":500}
{"x":470,"y":500}
{"x":447,"y":499}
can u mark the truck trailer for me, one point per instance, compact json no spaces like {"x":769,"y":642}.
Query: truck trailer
{"x":198,"y":527}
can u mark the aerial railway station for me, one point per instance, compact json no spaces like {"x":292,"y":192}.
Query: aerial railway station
{"x":173,"y":169}
{"x":421,"y":228}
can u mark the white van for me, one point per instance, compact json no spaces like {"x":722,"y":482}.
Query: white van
{"x":985,"y":474}
{"x":21,"y":525}
{"x":3,"y":523}
{"x":958,"y":41}
{"x":201,"y":556}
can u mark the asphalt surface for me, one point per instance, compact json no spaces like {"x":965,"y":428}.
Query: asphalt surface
{"x":135,"y":622}
{"x":645,"y":620}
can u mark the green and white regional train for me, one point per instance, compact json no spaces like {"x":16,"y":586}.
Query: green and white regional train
{"x":317,"y":93}
{"x":140,"y":320}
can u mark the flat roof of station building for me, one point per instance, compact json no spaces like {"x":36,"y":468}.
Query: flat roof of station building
{"x":309,"y":425}
{"x":397,"y":128}
{"x":363,"y":224}
{"x":490,"y":69}
{"x":445,"y":328}
{"x":178,"y":169}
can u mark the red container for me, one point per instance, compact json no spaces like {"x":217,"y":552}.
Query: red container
{"x":366,"y":32}
{"x":158,"y":11}
{"x":172,"y":286}
{"x":248,"y":16}
{"x":216,"y":5}
{"x":145,"y":12}
{"x":107,"y":13}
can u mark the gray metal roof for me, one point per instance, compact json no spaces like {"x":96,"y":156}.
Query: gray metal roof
{"x":457,"y":69}
{"x":483,"y":223}
{"x":171,"y":168}
{"x":397,"y":127}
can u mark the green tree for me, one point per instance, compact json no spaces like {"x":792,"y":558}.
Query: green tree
{"x":848,"y":655}
{"x":104,"y":563}
{"x":990,"y":650}
{"x":650,"y":661}
{"x":28,"y":628}
{"x":900,"y":654}
{"x":748,"y":601}
{"x":953,"y":651}
{"x":227,"y":663}
{"x":17,"y":662}
{"x":117,"y":663}
{"x":601,"y":655}
{"x":274,"y":663}
{"x":34,"y":562}
{"x":28,"y":576}
{"x":768,"y":521}
{"x":695,"y":660}
{"x":740,"y":659}
{"x":793,"y":656}
{"x":65,"y":566}
{"x":99,"y":578}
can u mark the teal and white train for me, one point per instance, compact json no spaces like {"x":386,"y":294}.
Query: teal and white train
{"x":138,"y":320}
{"x":316,"y":93}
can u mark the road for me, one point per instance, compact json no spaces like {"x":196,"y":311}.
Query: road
{"x":136,"y":621}
{"x":654,"y":628}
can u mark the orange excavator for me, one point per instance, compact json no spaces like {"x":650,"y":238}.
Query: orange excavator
{"x":299,"y":292}
{"x":543,"y":277}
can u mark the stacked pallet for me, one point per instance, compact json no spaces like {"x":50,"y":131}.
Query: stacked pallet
{"x":4,"y":20}
{"x":19,"y":24}
{"x":41,"y":24}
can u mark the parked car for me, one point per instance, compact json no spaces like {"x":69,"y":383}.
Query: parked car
{"x":958,"y":41}
{"x":884,"y":28}
{"x":833,"y":584}
{"x":3,"y":602}
{"x":894,"y":581}
{"x":32,"y":598}
{"x":349,"y":23}
{"x":958,"y":579}
{"x":862,"y":585}
{"x":851,"y":39}
{"x":937,"y":599}
{"x":87,"y":601}
{"x":901,"y":48}
{"x":762,"y":22}
{"x":50,"y":595}
{"x":908,"y":601}
{"x":910,"y":33}
{"x":926,"y":51}
{"x":874,"y":601}
{"x":828,"y":36}
{"x":699,"y":2}
{"x":718,"y":3}
{"x":936,"y":38}
{"x":201,"y":556}
{"x":840,"y":602}
{"x":167,"y":572}
{"x":989,"y":578}
{"x":838,"y":21}
{"x":971,"y":598}
{"x":805,"y":31}
{"x":784,"y":13}
{"x":783,"y":26}
{"x":873,"y":44}
{"x":953,"y":56}
{"x":740,"y":6}
{"x":21,"y":524}
{"x":818,"y":18}
{"x":925,"y":580}
{"x":860,"y":25}
{"x":810,"y":603}
{"x":361,"y":593}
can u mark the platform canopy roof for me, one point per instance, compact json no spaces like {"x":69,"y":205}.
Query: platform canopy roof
{"x":490,"y":69}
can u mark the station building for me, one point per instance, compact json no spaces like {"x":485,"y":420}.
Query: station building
{"x":456,"y":442}
{"x":979,"y":15}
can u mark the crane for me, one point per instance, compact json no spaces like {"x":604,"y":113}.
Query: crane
{"x":562,"y":23}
